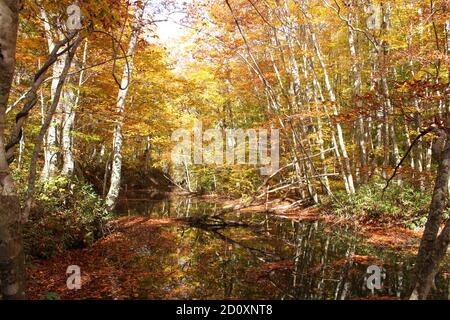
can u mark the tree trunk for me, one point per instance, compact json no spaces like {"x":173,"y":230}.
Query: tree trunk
{"x":318,"y":91}
{"x":71,"y":101}
{"x":333,"y":100}
{"x":11,"y":248}
{"x":116,"y":171}
{"x":12,"y":263}
{"x":46,"y":124}
{"x":53,"y":135}
{"x":69,"y":97}
{"x":434,"y":245}
{"x":357,"y":90}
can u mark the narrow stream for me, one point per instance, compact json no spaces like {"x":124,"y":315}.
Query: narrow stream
{"x":265,"y":258}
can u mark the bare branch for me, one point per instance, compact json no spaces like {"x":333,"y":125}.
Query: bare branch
{"x":416,"y":140}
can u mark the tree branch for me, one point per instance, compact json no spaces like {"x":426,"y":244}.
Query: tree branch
{"x":416,"y":140}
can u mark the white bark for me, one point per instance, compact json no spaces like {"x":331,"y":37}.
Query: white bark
{"x":357,"y":89}
{"x":45,"y":126}
{"x":318,"y":92}
{"x":333,"y":100}
{"x":67,"y":139}
{"x":51,"y":147}
{"x":71,"y":101}
{"x":116,"y":171}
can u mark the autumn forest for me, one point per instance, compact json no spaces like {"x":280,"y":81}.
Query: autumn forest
{"x":224,"y":149}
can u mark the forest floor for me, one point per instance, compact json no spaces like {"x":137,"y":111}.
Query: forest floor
{"x":112,"y":267}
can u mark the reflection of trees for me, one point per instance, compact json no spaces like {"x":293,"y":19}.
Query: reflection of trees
{"x":231,"y":255}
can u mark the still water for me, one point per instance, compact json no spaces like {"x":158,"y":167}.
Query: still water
{"x":229,"y":255}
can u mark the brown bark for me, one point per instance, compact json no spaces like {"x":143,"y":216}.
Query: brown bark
{"x":11,"y":249}
{"x":12,"y":281}
{"x":31,"y":97}
{"x":434,"y":245}
{"x":9,"y":20}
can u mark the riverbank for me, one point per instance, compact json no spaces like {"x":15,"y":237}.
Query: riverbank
{"x":389,"y":235}
{"x":109,"y":268}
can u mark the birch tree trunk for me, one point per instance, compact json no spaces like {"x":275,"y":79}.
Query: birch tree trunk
{"x":330,"y":124}
{"x":390,"y":133}
{"x":71,"y":100}
{"x":45,"y":126}
{"x":51,"y":148}
{"x":11,"y":248}
{"x":116,"y":171}
{"x":357,"y":89}
{"x":339,"y":130}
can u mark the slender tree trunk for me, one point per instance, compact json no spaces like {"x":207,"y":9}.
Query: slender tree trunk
{"x":319,"y":92}
{"x":391,"y":143}
{"x":71,"y":101}
{"x":357,"y":90}
{"x":67,"y":139}
{"x":429,"y":156}
{"x":408,"y":144}
{"x":321,"y":142}
{"x":333,"y":100}
{"x":21,"y":151}
{"x":46,"y":125}
{"x":116,"y":172}
{"x":51,"y":147}
{"x":418,"y":152}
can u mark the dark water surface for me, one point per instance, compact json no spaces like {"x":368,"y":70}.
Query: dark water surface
{"x":265,"y":258}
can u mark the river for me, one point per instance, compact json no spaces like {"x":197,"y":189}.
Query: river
{"x":232,"y":255}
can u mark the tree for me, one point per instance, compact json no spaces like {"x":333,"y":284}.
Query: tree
{"x":116,"y":172}
{"x":435,"y":241}
{"x":11,"y":249}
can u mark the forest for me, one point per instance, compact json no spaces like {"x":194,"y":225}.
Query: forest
{"x":224,"y":149}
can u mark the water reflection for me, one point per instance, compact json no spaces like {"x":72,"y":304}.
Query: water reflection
{"x":271,"y":258}
{"x":183,"y":207}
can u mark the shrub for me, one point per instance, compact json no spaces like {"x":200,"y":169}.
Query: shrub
{"x":64,"y":216}
{"x":402,"y":205}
